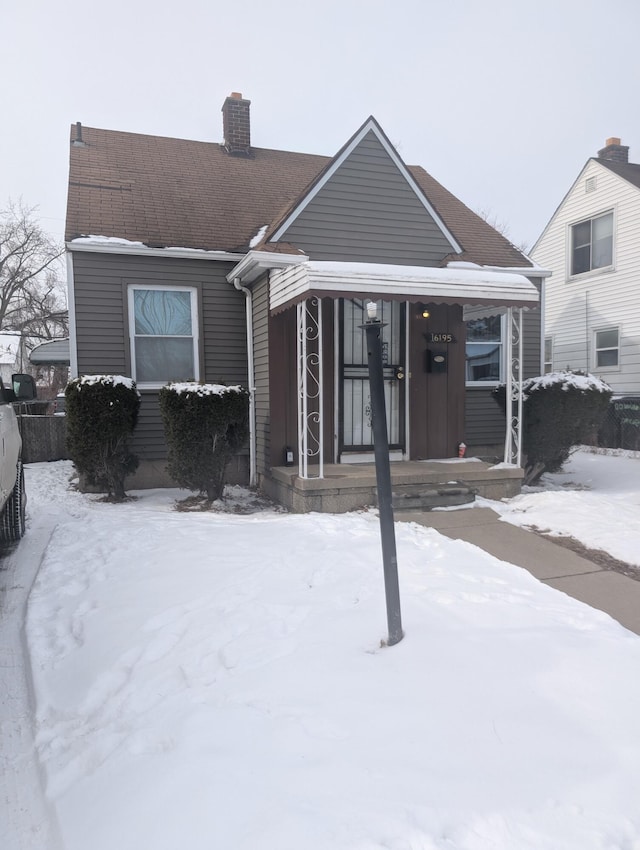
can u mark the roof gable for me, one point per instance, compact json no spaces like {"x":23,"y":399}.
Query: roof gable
{"x":176,"y":193}
{"x":626,"y":171}
{"x":370,"y":134}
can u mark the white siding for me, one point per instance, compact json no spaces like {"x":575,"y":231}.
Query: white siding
{"x":576,"y":307}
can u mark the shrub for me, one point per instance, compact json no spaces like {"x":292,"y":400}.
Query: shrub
{"x":102,"y":412}
{"x":204,"y":424}
{"x":560,"y":410}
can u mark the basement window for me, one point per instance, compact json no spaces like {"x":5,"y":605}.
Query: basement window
{"x":164,"y":343}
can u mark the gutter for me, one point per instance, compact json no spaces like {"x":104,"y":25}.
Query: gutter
{"x":251,"y":379}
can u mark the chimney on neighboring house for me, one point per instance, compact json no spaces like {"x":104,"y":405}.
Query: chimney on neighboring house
{"x":236,"y":125}
{"x":613,"y":151}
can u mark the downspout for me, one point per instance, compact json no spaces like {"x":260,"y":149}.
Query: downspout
{"x":71,"y":306}
{"x":251,"y":380}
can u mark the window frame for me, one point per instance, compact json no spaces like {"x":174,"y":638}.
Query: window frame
{"x":494,"y":382}
{"x":193,"y":299}
{"x":614,"y":367}
{"x":547,"y":361}
{"x":571,"y":249}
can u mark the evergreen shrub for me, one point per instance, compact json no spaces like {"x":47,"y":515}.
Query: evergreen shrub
{"x":204,"y":426}
{"x":560,"y":410}
{"x":101,"y":414}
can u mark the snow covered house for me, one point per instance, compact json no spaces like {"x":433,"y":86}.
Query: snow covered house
{"x":236,"y":264}
{"x":592,"y":247}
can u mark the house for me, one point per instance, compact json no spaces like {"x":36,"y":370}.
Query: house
{"x":10,"y":356}
{"x":592,"y":247}
{"x":236,"y":264}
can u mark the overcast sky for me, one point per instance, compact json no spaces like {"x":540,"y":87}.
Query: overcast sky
{"x":502,"y":102}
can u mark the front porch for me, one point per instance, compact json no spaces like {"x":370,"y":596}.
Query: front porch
{"x":420,"y":485}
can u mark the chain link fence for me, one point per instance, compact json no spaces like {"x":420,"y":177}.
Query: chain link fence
{"x":621,"y":425}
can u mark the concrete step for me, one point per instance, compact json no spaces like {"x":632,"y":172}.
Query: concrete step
{"x":424,"y":498}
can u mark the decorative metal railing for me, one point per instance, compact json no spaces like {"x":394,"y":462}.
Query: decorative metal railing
{"x":310,"y":389}
{"x":513,"y":397}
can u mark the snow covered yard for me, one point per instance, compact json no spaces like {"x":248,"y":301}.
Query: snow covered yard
{"x":596,"y":499}
{"x":217,"y":681}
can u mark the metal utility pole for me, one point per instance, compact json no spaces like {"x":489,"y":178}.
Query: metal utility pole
{"x":373,"y":329}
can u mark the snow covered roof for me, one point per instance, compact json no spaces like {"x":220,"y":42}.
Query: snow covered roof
{"x":468,"y":285}
{"x":54,"y":352}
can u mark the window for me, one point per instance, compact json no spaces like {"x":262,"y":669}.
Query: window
{"x":592,"y":244}
{"x":607,"y":348}
{"x":548,"y":354}
{"x":163,"y":327}
{"x":484,"y":350}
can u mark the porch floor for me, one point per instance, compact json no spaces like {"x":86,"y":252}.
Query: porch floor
{"x":349,"y":486}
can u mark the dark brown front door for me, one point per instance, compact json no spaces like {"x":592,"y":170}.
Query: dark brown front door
{"x":437,"y":355}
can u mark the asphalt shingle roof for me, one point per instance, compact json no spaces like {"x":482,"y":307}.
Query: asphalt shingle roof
{"x":167,"y":192}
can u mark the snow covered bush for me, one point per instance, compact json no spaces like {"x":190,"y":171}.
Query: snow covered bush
{"x":204,"y":426}
{"x":560,"y":410}
{"x":102,"y":412}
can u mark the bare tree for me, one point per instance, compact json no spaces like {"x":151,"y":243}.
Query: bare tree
{"x":32,"y":300}
{"x":501,"y":226}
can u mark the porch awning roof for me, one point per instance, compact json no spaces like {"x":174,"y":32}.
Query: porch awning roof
{"x":53,"y":353}
{"x":474,"y":286}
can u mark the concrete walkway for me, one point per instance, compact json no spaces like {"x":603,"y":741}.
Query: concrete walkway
{"x":609,"y":591}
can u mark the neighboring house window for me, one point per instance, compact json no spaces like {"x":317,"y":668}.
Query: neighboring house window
{"x":592,"y":244}
{"x":164,"y":340}
{"x":484,"y":350}
{"x":607,"y":348}
{"x":548,"y":354}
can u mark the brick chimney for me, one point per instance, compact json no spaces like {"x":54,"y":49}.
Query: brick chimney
{"x":613,"y":151}
{"x":236,"y":125}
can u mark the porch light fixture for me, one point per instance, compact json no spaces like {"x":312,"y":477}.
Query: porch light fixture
{"x":425,"y":314}
{"x":372,"y":311}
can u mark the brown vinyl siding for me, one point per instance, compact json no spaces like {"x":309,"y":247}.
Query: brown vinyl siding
{"x":367,"y":212}
{"x":101,"y":306}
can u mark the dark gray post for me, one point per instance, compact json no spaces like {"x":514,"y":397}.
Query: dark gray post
{"x":373,"y":330}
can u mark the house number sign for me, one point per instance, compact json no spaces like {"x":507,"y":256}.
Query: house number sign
{"x":440,"y":337}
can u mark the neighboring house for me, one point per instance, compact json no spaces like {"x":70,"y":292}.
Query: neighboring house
{"x":592,"y":247}
{"x":9,"y":356}
{"x":235,"y":264}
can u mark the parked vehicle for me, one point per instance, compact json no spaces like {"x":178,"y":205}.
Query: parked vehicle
{"x":13,"y":498}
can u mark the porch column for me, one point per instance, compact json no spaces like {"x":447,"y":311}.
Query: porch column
{"x":513,"y":394}
{"x":310,"y":389}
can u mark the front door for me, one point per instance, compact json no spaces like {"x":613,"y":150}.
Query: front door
{"x":355,"y":434}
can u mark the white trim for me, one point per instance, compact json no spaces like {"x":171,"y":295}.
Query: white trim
{"x":192,"y":290}
{"x":71,"y":306}
{"x":401,"y":283}
{"x":610,"y":210}
{"x":503,"y":354}
{"x":371,"y":125}
{"x":594,"y":350}
{"x":255,"y":263}
{"x":253,"y":465}
{"x":133,"y":249}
